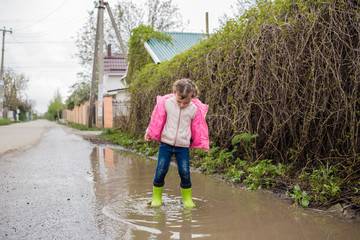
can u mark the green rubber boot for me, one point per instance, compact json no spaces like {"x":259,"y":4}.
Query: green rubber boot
{"x":186,"y":195}
{"x":157,"y":192}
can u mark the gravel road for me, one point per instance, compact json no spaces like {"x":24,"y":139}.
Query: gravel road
{"x":19,"y":137}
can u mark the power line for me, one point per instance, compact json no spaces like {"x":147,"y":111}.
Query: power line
{"x":42,"y":66}
{"x":40,"y":20}
{"x":62,"y":27}
{"x":54,"y":29}
{"x":20,"y":42}
{"x":41,"y":42}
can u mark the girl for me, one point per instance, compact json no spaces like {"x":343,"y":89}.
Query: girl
{"x":178,"y":122}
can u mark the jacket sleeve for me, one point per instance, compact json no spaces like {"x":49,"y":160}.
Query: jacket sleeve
{"x":156,"y":124}
{"x":158,"y":118}
{"x":199,"y":128}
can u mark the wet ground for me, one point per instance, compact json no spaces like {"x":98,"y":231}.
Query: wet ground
{"x":67,"y":188}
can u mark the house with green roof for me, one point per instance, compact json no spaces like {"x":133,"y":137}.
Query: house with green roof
{"x":161,"y":51}
{"x":115,"y":65}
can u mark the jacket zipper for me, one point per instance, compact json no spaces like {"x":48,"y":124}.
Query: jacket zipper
{"x":177,"y":129}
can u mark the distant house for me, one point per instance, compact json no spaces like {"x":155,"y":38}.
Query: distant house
{"x":161,"y":51}
{"x":115,"y":66}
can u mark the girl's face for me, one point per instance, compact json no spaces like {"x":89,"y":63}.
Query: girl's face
{"x":182,"y":102}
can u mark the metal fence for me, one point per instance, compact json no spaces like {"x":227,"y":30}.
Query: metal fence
{"x":119,"y":109}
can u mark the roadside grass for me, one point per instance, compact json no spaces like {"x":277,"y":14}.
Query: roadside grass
{"x":81,"y":127}
{"x":6,"y":121}
{"x":128,"y":140}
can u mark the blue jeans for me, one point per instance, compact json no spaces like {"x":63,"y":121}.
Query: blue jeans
{"x":166,"y":152}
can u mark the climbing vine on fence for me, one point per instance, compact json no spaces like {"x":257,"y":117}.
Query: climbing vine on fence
{"x":138,"y":57}
{"x":286,"y":70}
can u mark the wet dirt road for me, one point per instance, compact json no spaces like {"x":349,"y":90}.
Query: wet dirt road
{"x":67,"y":188}
{"x":21,"y":136}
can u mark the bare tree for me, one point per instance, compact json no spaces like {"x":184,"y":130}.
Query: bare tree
{"x":128,"y":16}
{"x":15,"y":85}
{"x":85,"y":43}
{"x":239,"y":9}
{"x":163,"y":15}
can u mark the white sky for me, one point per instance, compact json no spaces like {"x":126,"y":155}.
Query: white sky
{"x":42,"y":45}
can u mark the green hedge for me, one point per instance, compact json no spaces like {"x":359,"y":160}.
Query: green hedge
{"x":286,"y":70}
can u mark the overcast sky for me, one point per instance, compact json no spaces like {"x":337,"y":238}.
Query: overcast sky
{"x":42,"y":45}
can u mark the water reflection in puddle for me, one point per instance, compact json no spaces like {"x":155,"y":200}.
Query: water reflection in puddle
{"x":123,"y":188}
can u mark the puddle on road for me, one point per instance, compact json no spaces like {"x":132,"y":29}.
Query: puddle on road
{"x":123,"y":188}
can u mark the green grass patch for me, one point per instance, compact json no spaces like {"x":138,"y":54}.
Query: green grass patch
{"x":5,"y":121}
{"x":128,"y":140}
{"x":82,"y":127}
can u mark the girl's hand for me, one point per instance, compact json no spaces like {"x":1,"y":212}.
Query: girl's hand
{"x":207,"y":150}
{"x":146,"y":138}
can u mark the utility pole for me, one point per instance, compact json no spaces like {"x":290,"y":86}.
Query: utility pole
{"x":101,"y":65}
{"x":96,"y":63}
{"x":122,"y":45}
{"x":207,"y":23}
{"x":2,"y":72}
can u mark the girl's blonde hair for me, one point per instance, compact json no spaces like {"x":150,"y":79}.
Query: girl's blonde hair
{"x":185,"y":88}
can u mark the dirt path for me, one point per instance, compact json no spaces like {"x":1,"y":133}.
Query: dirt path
{"x":47,"y":191}
{"x":21,"y":136}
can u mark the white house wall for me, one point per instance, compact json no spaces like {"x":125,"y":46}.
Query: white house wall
{"x":111,"y":83}
{"x":114,"y":86}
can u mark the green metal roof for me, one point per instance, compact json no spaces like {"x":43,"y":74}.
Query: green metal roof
{"x":161,"y":51}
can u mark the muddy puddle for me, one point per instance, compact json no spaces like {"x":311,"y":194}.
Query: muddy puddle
{"x":123,"y":188}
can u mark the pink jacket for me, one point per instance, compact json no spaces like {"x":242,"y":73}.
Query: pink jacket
{"x":199,"y":128}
